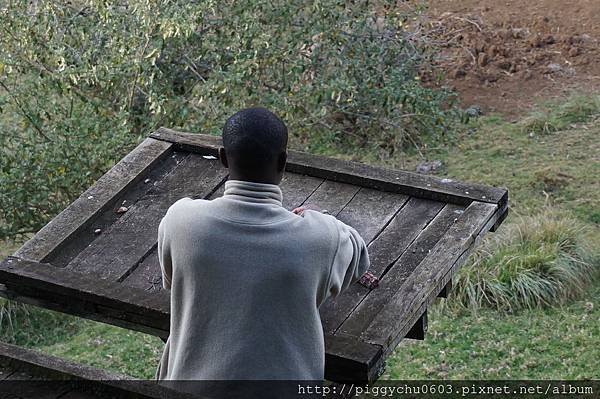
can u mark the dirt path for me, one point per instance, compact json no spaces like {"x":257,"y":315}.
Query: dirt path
{"x":505,"y":55}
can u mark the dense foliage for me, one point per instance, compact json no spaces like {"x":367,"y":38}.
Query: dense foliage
{"x":82,"y":81}
{"x":539,"y":261}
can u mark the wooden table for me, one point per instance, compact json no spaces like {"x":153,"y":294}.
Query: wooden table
{"x":95,"y":262}
{"x":30,"y":374}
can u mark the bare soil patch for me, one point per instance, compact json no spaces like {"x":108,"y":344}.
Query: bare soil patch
{"x":505,"y":56}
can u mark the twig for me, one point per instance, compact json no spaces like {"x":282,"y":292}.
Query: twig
{"x":469,"y":21}
{"x":194,"y":68}
{"x":137,"y":72}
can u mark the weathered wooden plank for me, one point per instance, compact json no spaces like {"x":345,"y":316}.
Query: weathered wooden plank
{"x":332,"y":196}
{"x":413,"y":316}
{"x":80,"y":292}
{"x":94,"y":200}
{"x":147,"y":275}
{"x":374,"y":300}
{"x":370,"y":211}
{"x":102,"y":221}
{"x":77,"y":378}
{"x":421,"y":284}
{"x":446,"y":290}
{"x":5,"y":372}
{"x":404,"y":227}
{"x":120,"y":249}
{"x":350,"y":360}
{"x":412,"y":184}
{"x":419,"y":329}
{"x":297,"y":188}
{"x":17,"y":375}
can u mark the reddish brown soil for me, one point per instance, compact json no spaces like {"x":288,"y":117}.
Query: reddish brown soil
{"x":506,"y":55}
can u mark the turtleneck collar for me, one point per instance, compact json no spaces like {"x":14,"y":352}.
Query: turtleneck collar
{"x":259,"y":193}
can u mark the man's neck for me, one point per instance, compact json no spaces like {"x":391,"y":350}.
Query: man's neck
{"x":254,"y":179}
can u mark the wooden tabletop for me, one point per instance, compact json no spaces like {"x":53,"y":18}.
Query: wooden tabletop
{"x":96,"y":262}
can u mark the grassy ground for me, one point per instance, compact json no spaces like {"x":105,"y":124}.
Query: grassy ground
{"x":539,"y":165}
{"x":537,"y":344}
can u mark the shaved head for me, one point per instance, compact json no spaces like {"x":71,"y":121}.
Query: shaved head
{"x":254,"y":140}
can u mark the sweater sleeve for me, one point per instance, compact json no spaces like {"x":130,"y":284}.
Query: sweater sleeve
{"x":350,"y":262}
{"x":164,"y":254}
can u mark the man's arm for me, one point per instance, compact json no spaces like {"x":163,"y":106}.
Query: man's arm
{"x":164,"y":255}
{"x":350,"y":261}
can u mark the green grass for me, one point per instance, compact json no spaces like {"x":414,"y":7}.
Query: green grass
{"x":84,"y":341}
{"x":555,"y":343}
{"x":542,"y":260}
{"x":555,"y":166}
{"x":112,"y":348}
{"x":554,"y":117}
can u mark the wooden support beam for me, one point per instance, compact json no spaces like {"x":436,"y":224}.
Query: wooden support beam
{"x":103,"y":383}
{"x":85,"y":295}
{"x":446,"y":290}
{"x":348,"y":359}
{"x":412,"y":184}
{"x":419,"y":329}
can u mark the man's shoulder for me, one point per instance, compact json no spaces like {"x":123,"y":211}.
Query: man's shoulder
{"x":320,"y":224}
{"x":183,"y":206}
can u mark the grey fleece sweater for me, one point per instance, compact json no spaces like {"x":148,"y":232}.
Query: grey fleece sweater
{"x":247,"y":277}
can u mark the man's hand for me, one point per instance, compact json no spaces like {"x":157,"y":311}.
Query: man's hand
{"x":300,"y":210}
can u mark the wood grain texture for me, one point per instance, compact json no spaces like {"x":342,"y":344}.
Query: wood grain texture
{"x":412,"y":184}
{"x":67,"y":376}
{"x":350,"y":360}
{"x":332,"y":196}
{"x":384,"y":250}
{"x":106,"y":218}
{"x":368,"y":212}
{"x":297,"y":188}
{"x":86,"y":293}
{"x":125,"y":244}
{"x":373,"y":302}
{"x":94,"y":200}
{"x":423,"y":283}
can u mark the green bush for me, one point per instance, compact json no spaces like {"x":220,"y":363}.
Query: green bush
{"x":540,"y":261}
{"x":83,"y":81}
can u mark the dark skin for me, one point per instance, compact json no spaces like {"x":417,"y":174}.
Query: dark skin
{"x":271,"y":173}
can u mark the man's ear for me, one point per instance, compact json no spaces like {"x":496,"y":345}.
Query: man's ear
{"x":223,"y":157}
{"x":281,"y":161}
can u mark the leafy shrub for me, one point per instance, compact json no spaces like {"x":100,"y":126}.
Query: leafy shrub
{"x":540,"y":261}
{"x":82,"y":81}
